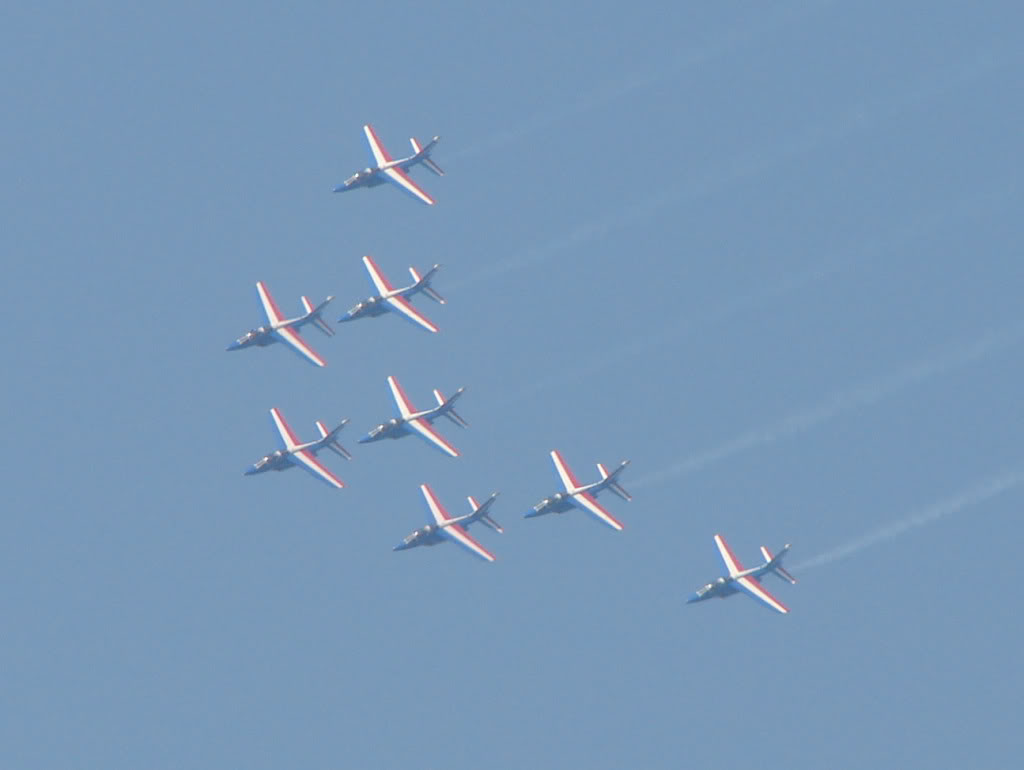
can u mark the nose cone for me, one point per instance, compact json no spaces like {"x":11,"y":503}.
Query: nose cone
{"x":234,"y":345}
{"x":341,"y":188}
{"x":250,"y":471}
{"x":401,"y":546}
{"x":366,"y":439}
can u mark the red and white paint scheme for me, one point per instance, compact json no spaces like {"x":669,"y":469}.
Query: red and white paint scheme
{"x":418,"y":422}
{"x":582,"y":496}
{"x":748,"y":580}
{"x":282,"y":329}
{"x":302,"y":454}
{"x":448,"y":527}
{"x":397,"y":300}
{"x":393,"y":170}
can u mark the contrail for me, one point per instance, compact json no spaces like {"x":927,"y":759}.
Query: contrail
{"x":977,"y":494}
{"x":848,"y":122}
{"x":839,"y":260}
{"x":863,"y":394}
{"x":610,"y":91}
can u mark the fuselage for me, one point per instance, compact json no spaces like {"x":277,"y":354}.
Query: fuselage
{"x":275,"y":461}
{"x":724,"y":586}
{"x":371,"y":176}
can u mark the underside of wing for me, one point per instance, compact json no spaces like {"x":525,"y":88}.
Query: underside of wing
{"x":380,"y":155}
{"x":308,"y":461}
{"x":379,"y":280}
{"x":568,"y":478}
{"x":288,"y":437}
{"x":754,"y":587}
{"x":404,"y":181}
{"x":437,"y":510}
{"x":456,"y":533}
{"x":291,"y":337}
{"x":270,"y":307}
{"x":588,"y":503}
{"x":426,"y":430}
{"x":403,"y":307}
{"x":405,"y":407}
{"x":731,"y":562}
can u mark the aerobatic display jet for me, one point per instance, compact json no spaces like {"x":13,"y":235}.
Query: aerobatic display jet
{"x":448,"y":527}
{"x":388,"y":298}
{"x":281,"y":329}
{"x":745,"y":579}
{"x":294,"y":452}
{"x":582,"y":496}
{"x":387,"y":169}
{"x":410,"y":421}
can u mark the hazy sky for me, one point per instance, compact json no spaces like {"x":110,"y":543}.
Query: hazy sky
{"x":771,"y":253}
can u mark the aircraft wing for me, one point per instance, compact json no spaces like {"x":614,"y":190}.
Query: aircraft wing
{"x":295,"y":341}
{"x":426,"y":430}
{"x":454,"y":532}
{"x":753,"y":586}
{"x":404,"y":181}
{"x":731,"y":562}
{"x":569,"y":480}
{"x":405,"y":407}
{"x":288,"y":438}
{"x":588,"y":503}
{"x":307,"y":461}
{"x":380,"y":282}
{"x":404,"y":307}
{"x":380,"y":155}
{"x":274,"y":314}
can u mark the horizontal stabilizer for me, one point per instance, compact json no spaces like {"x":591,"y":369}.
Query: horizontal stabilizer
{"x":455,"y":417}
{"x":423,"y":153}
{"x":433,"y":166}
{"x":775,"y":563}
{"x":422,"y":283}
{"x":481,"y":515}
{"x":613,"y":485}
{"x":327,"y":439}
{"x":314,"y":313}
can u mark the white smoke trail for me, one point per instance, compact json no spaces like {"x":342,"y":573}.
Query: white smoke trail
{"x":862,"y":394}
{"x":977,"y":494}
{"x":610,"y":91}
{"x":836,"y":128}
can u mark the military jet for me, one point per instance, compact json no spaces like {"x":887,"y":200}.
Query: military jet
{"x":418,"y":422}
{"x":388,"y":298}
{"x":294,"y":452}
{"x":281,"y":329}
{"x":387,"y":169}
{"x":448,"y":527}
{"x":582,"y":496}
{"x":745,"y":579}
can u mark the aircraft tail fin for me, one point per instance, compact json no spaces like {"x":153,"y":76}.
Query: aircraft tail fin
{"x":423,"y":153}
{"x":448,"y":411}
{"x":314,"y":314}
{"x":422,"y":283}
{"x":611,"y":483}
{"x":480,"y":513}
{"x":775,"y":563}
{"x":328,"y":439}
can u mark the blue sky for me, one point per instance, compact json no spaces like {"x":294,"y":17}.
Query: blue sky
{"x":770,"y":254}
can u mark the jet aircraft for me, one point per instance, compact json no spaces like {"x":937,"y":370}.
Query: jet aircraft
{"x":396,"y":300}
{"x":294,"y":452}
{"x":387,"y":169}
{"x":745,"y":579}
{"x":448,"y":527}
{"x":418,"y":422}
{"x":281,"y":329}
{"x":582,"y":496}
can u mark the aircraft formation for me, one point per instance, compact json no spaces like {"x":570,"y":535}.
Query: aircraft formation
{"x":410,"y":421}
